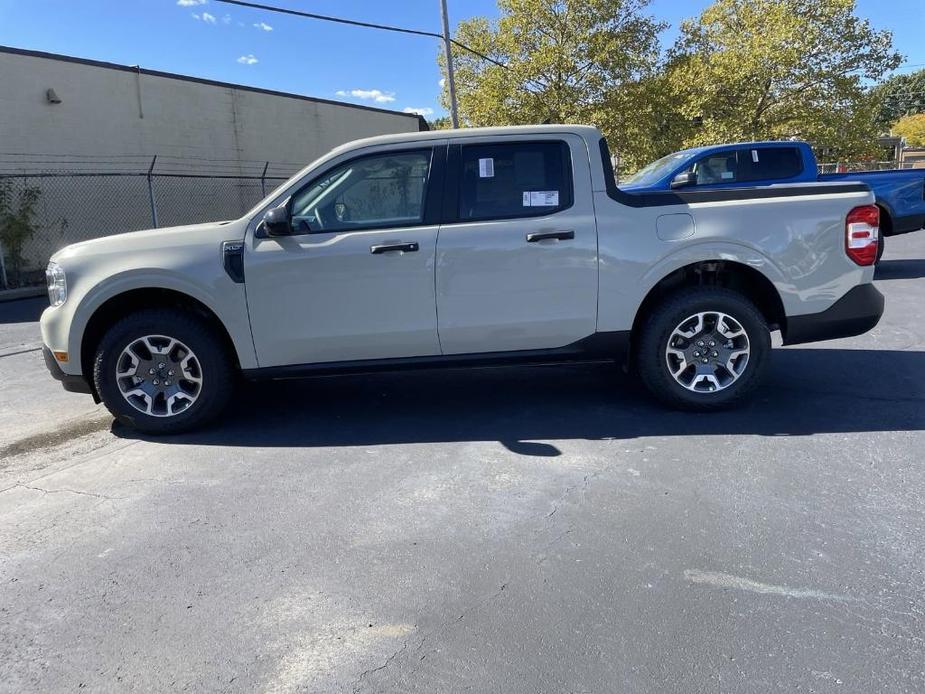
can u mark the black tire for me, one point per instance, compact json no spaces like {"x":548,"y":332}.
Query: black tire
{"x":652,"y":363}
{"x":881,"y":246}
{"x":217,"y":370}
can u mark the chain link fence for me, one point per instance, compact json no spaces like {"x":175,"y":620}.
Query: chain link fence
{"x":47,"y":203}
{"x":43,"y":211}
{"x":855,"y":166}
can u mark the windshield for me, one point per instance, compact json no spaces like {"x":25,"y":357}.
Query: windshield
{"x":651,"y":173}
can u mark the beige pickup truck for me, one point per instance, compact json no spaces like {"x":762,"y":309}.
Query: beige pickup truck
{"x":471,"y":247}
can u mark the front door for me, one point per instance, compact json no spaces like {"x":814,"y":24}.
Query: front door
{"x":517,"y":252}
{"x":355,"y":280}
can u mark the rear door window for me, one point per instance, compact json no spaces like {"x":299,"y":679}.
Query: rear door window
{"x":770,"y":163}
{"x":507,"y":180}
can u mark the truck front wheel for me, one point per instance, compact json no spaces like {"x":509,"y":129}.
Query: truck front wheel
{"x":163,"y":371}
{"x":703,"y":348}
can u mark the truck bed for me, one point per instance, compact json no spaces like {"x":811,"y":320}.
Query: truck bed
{"x":900,"y":193}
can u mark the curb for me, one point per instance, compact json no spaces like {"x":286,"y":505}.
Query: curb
{"x":21,"y":293}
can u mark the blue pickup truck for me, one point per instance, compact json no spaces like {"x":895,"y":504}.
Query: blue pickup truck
{"x":900,"y":193}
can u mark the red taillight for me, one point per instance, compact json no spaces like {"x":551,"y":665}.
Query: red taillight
{"x":862,"y":234}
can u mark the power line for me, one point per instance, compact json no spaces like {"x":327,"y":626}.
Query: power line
{"x":328,"y":18}
{"x":368,"y":25}
{"x":371,"y":25}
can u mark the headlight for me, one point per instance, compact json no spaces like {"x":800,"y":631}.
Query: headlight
{"x":57,"y":284}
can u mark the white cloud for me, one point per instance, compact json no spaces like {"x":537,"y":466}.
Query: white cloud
{"x":248,"y":59}
{"x":226,"y":19}
{"x":191,"y":3}
{"x":442,"y":82}
{"x":425,"y":111}
{"x":377,"y":95}
{"x":264,"y":26}
{"x":205,"y":17}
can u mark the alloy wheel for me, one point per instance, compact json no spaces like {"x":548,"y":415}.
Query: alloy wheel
{"x":707,"y":352}
{"x":159,"y":375}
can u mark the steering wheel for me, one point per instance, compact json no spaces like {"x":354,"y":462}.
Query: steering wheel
{"x":318,"y":220}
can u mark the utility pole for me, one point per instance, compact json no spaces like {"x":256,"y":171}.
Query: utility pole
{"x":448,"y":54}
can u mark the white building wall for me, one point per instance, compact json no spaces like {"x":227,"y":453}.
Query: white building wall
{"x":99,"y":115}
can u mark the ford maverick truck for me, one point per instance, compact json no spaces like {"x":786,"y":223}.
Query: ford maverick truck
{"x":471,"y":247}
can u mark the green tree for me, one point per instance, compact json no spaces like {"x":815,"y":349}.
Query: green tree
{"x":912,"y":128}
{"x":17,"y":223}
{"x":769,"y":69}
{"x":440,"y":123}
{"x":564,"y":61}
{"x":898,"y":96}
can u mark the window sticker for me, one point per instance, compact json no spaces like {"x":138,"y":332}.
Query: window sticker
{"x":726,"y":175}
{"x":487,"y":168}
{"x":755,"y":155}
{"x":541,"y":198}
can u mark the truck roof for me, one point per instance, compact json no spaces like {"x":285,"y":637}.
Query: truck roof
{"x":755,"y":143}
{"x":588,"y":132}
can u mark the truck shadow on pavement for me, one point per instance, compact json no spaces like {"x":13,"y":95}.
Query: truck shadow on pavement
{"x":808,"y":391}
{"x":904,"y":269}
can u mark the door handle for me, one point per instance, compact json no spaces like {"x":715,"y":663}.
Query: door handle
{"x":387,"y":247}
{"x":544,"y":235}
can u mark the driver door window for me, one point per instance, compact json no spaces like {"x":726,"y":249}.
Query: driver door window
{"x":716,"y":169}
{"x":373,"y":192}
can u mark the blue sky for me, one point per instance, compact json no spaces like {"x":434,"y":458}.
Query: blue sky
{"x":234,"y":44}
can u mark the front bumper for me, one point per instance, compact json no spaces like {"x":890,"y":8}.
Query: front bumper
{"x":855,"y":313}
{"x":70,"y":383}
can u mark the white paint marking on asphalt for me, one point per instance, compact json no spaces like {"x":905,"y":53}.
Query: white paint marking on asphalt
{"x":723,"y":580}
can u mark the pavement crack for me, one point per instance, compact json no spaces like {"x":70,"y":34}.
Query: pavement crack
{"x":388,"y":661}
{"x":65,"y":491}
{"x":21,"y":351}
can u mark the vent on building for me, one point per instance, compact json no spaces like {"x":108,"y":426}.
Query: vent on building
{"x":51,"y":96}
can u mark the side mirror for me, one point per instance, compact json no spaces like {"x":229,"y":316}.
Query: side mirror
{"x":276,"y":222}
{"x":684,"y":179}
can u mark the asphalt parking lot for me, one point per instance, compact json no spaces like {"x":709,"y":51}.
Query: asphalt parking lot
{"x":511,"y":530}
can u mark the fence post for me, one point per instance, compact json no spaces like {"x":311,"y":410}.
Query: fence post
{"x":263,"y":180}
{"x":151,"y":192}
{"x":3,"y":269}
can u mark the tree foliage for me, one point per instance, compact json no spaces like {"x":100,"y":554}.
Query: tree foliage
{"x":17,"y":223}
{"x":912,"y":128}
{"x":565,"y":61}
{"x":743,"y":69}
{"x":440,"y":123}
{"x":898,"y":96}
{"x":768,"y":69}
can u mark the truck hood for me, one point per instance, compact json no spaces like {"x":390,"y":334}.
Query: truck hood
{"x":176,"y":239}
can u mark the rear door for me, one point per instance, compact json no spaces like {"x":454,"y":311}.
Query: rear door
{"x":517,"y":250}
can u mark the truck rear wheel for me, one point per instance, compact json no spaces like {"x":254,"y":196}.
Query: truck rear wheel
{"x":163,"y":371}
{"x":703,"y":348}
